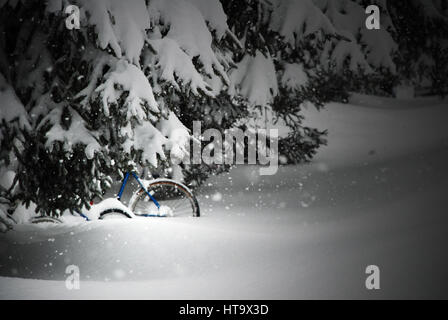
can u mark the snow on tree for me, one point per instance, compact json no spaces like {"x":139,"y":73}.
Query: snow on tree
{"x":256,"y":80}
{"x":12,"y":112}
{"x":188,"y":66}
{"x":280,"y":38}
{"x":13,"y":119}
{"x":360,"y":48}
{"x":119,"y":25}
{"x":5,"y":224}
{"x":185,"y":25}
{"x":75,"y":134}
{"x":294,"y":19}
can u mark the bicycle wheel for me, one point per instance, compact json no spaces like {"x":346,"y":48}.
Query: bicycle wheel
{"x":114,"y":213}
{"x":175,"y":200}
{"x":45,"y":219}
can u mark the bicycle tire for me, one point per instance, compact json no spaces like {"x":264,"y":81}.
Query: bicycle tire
{"x":45,"y":219}
{"x":113,"y":212}
{"x":169,"y":193}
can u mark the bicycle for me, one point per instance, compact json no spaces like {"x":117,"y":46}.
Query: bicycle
{"x":160,"y":198}
{"x":155,"y":198}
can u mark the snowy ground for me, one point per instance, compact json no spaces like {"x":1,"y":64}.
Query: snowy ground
{"x":375,"y":195}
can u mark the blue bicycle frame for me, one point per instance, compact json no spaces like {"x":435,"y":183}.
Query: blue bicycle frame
{"x":120,"y":194}
{"x":125,"y":181}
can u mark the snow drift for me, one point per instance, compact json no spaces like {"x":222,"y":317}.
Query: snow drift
{"x":307,"y":232}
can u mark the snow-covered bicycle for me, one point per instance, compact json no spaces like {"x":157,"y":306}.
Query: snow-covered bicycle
{"x":160,"y":198}
{"x":155,"y":198}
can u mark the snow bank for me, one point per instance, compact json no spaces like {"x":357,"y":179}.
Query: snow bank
{"x":378,"y":129}
{"x":307,"y":232}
